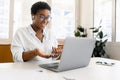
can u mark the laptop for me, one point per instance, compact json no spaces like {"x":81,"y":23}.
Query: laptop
{"x":76,"y":54}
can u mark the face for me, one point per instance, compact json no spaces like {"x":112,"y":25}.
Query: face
{"x":41,"y":19}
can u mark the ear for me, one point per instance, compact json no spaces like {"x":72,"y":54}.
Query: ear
{"x":33,"y":17}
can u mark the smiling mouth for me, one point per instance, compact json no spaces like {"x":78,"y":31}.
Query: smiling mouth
{"x":44,"y":24}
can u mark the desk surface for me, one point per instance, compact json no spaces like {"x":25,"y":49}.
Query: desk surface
{"x":31,"y":71}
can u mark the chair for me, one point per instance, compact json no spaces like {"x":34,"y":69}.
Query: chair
{"x":5,"y":53}
{"x":113,"y":50}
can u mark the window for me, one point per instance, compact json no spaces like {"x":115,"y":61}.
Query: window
{"x":4,"y":18}
{"x":63,"y":21}
{"x":108,"y":11}
{"x":118,"y":20}
{"x":103,"y":14}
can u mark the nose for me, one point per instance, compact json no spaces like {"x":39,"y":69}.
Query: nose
{"x":45,"y":21}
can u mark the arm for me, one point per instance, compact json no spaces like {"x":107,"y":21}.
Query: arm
{"x":29,"y":55}
{"x":33,"y":53}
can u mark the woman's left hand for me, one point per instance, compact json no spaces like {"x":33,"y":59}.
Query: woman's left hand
{"x":56,"y":51}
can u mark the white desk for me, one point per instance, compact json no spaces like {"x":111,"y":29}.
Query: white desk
{"x":31,"y":71}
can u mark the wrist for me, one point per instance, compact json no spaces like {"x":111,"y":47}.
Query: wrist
{"x":35,"y":51}
{"x":40,"y":53}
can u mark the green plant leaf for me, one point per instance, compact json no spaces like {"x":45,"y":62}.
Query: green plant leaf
{"x":81,"y":29}
{"x":100,"y":34}
{"x":84,"y":35}
{"x":95,"y":31}
{"x":99,"y":27}
{"x":104,"y":42}
{"x":77,"y":33}
{"x":92,"y":28}
{"x":104,"y":35}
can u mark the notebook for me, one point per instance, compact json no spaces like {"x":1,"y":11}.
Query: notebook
{"x":76,"y":54}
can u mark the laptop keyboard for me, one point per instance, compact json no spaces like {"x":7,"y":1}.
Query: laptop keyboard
{"x":52,"y":65}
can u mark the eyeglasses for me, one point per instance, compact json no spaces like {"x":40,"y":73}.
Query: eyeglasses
{"x":42,"y":17}
{"x":105,"y":63}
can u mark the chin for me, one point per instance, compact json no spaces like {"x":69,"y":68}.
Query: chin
{"x":42,"y":28}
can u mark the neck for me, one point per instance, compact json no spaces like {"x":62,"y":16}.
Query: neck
{"x":36,"y":29}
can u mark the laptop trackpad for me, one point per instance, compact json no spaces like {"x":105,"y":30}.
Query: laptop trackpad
{"x":50,"y":65}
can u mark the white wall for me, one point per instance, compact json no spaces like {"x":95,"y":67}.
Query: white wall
{"x":86,"y":14}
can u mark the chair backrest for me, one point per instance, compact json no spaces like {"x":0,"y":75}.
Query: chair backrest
{"x":5,"y":53}
{"x":113,"y":50}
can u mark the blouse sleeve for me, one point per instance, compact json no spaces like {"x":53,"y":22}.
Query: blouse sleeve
{"x":17,"y":48}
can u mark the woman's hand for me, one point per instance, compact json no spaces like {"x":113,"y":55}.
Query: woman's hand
{"x":56,"y":52}
{"x":42,"y":54}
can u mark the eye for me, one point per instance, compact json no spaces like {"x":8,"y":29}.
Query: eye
{"x":42,"y":17}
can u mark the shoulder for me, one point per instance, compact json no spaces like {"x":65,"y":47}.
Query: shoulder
{"x":21,"y":31}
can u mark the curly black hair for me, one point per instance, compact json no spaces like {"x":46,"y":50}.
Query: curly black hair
{"x":39,"y":6}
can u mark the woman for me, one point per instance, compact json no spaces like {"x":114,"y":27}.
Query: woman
{"x":35,"y":41}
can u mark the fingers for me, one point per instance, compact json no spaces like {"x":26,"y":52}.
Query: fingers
{"x":56,"y":50}
{"x":51,"y":55}
{"x":55,"y":53}
{"x":42,"y":54}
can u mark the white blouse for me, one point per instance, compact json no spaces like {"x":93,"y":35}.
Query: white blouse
{"x":25,"y":40}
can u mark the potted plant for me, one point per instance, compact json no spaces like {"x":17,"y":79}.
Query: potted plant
{"x":100,"y":43}
{"x":80,"y":32}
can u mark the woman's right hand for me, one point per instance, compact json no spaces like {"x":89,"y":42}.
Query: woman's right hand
{"x":42,"y":54}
